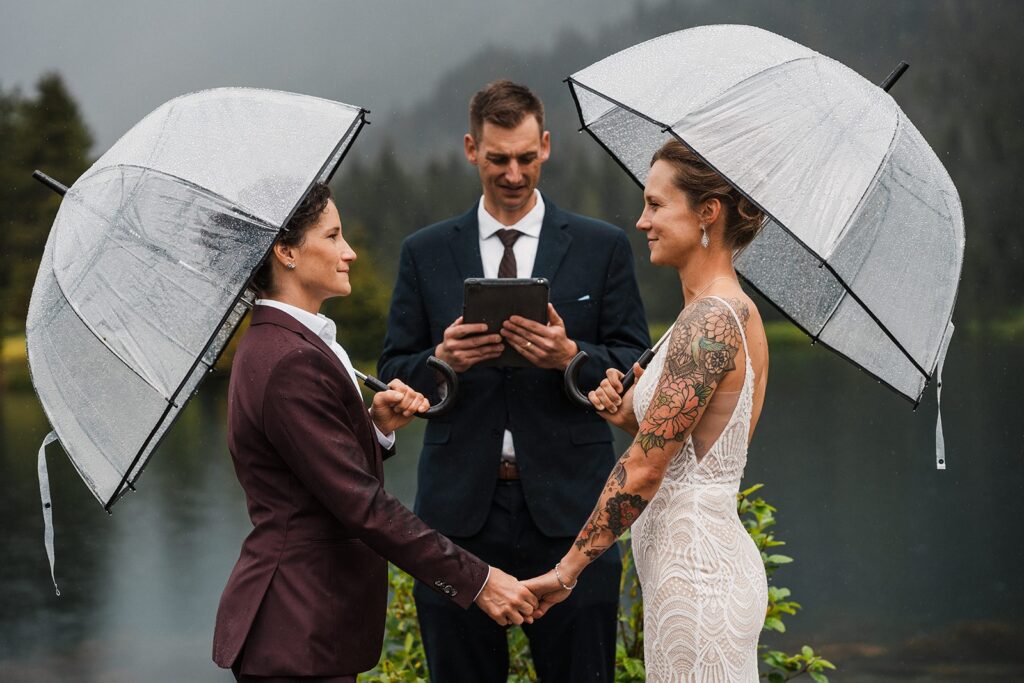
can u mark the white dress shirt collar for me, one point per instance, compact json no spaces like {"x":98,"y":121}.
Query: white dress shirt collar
{"x":529,"y":224}
{"x":317,"y":323}
{"x":323,"y":327}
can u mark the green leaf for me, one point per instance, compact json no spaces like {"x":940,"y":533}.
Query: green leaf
{"x":650,"y":441}
{"x":774,"y":624}
{"x":780,"y":559}
{"x":818,"y":677}
{"x":709,"y":345}
{"x":776,"y":677}
{"x":807,"y":651}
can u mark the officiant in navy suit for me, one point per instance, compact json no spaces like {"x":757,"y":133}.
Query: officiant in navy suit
{"x":513,"y":471}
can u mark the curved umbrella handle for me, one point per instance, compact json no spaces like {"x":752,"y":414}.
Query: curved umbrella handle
{"x":451,"y":381}
{"x":571,"y":379}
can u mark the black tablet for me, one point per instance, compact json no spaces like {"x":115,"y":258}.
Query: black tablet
{"x":493,"y":301}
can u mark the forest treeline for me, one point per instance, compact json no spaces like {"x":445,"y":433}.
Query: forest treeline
{"x":408,"y":171}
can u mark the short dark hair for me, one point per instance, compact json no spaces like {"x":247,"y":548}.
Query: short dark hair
{"x":699,"y":182}
{"x":504,"y":104}
{"x":294,"y":234}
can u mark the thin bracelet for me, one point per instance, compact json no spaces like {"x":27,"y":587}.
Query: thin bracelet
{"x":562,"y":583}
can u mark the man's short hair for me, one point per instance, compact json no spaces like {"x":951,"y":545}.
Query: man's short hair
{"x":504,"y":104}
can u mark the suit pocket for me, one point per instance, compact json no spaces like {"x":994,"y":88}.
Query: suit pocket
{"x":589,"y":432}
{"x":437,"y":433}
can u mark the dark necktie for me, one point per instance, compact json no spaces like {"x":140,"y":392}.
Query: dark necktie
{"x":507,"y":267}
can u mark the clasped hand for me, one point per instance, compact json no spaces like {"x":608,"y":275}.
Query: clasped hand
{"x":509,"y":601}
{"x":610,"y":403}
{"x":395,"y":408}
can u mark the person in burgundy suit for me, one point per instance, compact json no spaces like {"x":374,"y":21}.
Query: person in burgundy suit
{"x":307,"y":598}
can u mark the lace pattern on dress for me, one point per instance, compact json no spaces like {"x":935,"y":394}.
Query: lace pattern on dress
{"x":703,"y":581}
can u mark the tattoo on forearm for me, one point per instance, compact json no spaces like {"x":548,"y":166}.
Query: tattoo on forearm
{"x":618,"y":513}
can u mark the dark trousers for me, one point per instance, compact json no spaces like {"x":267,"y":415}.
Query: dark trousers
{"x":575,"y":641}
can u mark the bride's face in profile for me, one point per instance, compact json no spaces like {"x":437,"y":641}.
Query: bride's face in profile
{"x":671,"y":225}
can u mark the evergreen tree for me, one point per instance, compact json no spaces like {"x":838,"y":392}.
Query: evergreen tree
{"x":44,"y":132}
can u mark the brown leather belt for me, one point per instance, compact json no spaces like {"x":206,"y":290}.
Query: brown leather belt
{"x":508,"y":471}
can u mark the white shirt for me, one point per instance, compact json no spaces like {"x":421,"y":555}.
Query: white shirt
{"x":324,"y":327}
{"x":525,"y":249}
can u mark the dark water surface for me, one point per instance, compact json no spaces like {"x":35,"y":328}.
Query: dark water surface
{"x":905,"y":573}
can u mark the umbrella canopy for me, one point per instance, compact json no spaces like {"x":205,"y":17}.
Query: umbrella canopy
{"x":864,"y":240}
{"x":143,"y":278}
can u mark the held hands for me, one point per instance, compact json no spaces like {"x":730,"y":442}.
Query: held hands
{"x":395,"y":408}
{"x":546,"y":346}
{"x":616,"y":409}
{"x":465,"y":344}
{"x":505,"y":600}
{"x":548,"y":590}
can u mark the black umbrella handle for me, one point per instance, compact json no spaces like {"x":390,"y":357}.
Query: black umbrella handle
{"x":571,"y":378}
{"x":451,"y":381}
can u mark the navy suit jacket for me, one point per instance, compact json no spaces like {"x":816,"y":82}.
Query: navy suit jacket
{"x":564,"y":452}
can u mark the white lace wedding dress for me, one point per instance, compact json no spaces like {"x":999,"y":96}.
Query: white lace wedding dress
{"x":703,"y":582}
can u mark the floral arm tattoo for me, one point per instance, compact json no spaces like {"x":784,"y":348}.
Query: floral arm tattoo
{"x":702,"y":350}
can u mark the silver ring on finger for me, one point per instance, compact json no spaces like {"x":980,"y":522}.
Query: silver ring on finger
{"x":528,"y":344}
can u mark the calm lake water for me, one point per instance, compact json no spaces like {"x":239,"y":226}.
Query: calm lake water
{"x":905,"y":573}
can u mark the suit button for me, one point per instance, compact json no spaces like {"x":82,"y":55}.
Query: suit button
{"x":439,"y":583}
{"x":454,"y":592}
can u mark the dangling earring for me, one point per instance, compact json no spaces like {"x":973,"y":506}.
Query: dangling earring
{"x":291,"y":266}
{"x":704,"y":241}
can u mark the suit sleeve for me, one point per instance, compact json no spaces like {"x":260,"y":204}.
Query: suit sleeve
{"x":312,"y":433}
{"x":407,"y":344}
{"x":622,"y":330}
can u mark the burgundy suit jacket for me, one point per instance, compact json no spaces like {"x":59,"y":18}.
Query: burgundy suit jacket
{"x":308,"y":594}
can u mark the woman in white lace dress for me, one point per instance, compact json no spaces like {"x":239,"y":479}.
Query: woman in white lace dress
{"x":692,"y":414}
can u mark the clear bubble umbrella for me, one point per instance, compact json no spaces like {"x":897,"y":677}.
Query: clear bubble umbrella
{"x":144,"y":275}
{"x":864,"y":240}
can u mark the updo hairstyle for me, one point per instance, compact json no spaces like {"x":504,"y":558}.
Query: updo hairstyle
{"x":294,"y":234}
{"x":743,"y":220}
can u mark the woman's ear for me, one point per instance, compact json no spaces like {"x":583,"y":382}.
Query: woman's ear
{"x":710,"y":210}
{"x":284,"y":254}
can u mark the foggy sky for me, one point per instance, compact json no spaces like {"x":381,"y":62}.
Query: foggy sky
{"x":122,"y":59}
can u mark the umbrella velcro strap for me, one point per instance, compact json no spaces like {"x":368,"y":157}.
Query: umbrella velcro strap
{"x":940,"y":443}
{"x":44,"y":496}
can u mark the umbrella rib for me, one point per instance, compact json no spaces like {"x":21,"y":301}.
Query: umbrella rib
{"x":357,"y":125}
{"x":871,"y":185}
{"x":849,"y":221}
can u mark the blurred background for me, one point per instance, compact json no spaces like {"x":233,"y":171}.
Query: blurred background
{"x":904,"y":573}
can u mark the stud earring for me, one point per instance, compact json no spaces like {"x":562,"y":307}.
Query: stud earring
{"x":291,"y":266}
{"x":704,"y":241}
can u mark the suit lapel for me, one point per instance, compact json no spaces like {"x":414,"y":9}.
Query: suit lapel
{"x":270,"y":315}
{"x":554,"y":242}
{"x":465,"y":245}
